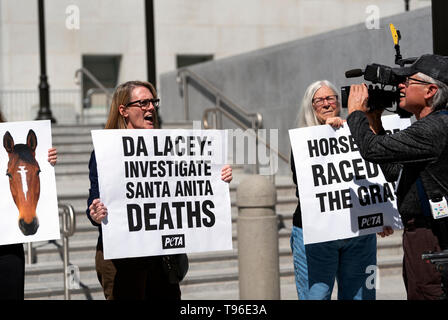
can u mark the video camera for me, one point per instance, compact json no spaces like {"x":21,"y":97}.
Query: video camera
{"x":439,"y":259}
{"x":379,"y":97}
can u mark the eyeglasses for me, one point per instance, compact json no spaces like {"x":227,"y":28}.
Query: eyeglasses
{"x":417,"y":81}
{"x":145,"y":103}
{"x":319,"y":102}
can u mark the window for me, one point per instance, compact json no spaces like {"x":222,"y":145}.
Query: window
{"x":103,"y":67}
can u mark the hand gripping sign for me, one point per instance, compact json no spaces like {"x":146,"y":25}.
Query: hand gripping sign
{"x":163,"y":191}
{"x":341,"y":194}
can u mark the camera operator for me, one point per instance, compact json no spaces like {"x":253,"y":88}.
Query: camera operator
{"x":417,"y":158}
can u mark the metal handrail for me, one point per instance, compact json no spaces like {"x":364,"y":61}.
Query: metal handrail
{"x":208,"y":126}
{"x":106,"y":91}
{"x":68,"y":228}
{"x":91,"y":77}
{"x":256,"y":119}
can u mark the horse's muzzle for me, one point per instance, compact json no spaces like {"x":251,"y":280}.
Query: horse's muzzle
{"x":29,"y":229}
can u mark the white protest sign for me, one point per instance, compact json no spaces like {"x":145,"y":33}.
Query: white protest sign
{"x":163,"y":191}
{"x":29,"y":204}
{"x":341,"y":194}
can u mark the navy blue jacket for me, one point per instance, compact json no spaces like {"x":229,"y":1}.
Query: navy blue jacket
{"x":94,"y":191}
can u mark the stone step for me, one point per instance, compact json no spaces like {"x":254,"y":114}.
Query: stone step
{"x":213,"y":276}
{"x":74,"y":130}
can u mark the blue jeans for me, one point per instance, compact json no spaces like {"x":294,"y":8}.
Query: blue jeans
{"x":317,"y":265}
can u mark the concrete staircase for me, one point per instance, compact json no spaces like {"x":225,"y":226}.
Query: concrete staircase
{"x":211,"y":275}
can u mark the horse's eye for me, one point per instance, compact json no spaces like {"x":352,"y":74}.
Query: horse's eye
{"x":38,"y":171}
{"x":9,"y":175}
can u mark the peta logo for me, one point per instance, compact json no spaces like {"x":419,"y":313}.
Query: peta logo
{"x":173,"y":241}
{"x":370,"y":221}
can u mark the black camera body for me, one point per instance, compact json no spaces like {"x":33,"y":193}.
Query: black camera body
{"x":381,"y":76}
{"x":439,"y":259}
{"x":379,"y":97}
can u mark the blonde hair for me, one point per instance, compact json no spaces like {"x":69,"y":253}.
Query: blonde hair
{"x":122,"y":95}
{"x":306,"y":116}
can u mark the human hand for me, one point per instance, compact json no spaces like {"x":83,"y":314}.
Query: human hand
{"x":335,"y":122}
{"x":358,"y":98}
{"x":226,"y":173}
{"x":52,"y":156}
{"x":98,"y":211}
{"x":387,"y":231}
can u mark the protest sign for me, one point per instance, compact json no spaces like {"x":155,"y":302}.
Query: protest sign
{"x":29,"y":203}
{"x":341,"y":194}
{"x":163,"y":191}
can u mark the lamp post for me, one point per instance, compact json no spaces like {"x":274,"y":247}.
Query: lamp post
{"x":439,"y":10}
{"x":150,"y":42}
{"x":44,"y":112}
{"x":150,"y":48}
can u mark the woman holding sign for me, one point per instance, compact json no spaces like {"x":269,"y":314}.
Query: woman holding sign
{"x":134,"y":106}
{"x":12,"y":258}
{"x":317,"y":265}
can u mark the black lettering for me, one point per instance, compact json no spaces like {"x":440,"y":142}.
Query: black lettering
{"x":312,"y":148}
{"x":332,"y":174}
{"x":343,"y":142}
{"x":168,"y":146}
{"x":388,"y":194}
{"x":353,"y":145}
{"x":375,"y":193}
{"x":321,"y":197}
{"x":190,"y":146}
{"x":372,"y":169}
{"x":149,"y":215}
{"x":205,"y":208}
{"x":334,"y":200}
{"x":202,"y":144}
{"x":178,"y":206}
{"x":358,"y":169}
{"x":346,"y":177}
{"x":318,"y":173}
{"x":194,"y":213}
{"x":128,"y":146}
{"x":323,"y":145}
{"x":346,"y":199}
{"x":141,"y":147}
{"x":134,"y":225}
{"x":334,"y":149}
{"x":165,"y":217}
{"x":156,"y":146}
{"x":179,"y":151}
{"x":130,"y":193}
{"x":363,"y":196}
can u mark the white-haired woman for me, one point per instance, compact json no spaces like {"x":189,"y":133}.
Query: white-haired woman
{"x":316,"y":266}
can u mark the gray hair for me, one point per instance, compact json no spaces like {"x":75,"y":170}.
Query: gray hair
{"x":306,"y":116}
{"x":440,"y":99}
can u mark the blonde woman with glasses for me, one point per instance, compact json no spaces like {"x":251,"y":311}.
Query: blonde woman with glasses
{"x":134,"y":106}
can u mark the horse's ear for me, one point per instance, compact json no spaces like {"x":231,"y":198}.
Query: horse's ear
{"x":8,"y":142}
{"x":31,"y":140}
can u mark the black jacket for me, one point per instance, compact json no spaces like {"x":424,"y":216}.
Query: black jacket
{"x":94,"y":192}
{"x":297,"y":217}
{"x":419,"y":150}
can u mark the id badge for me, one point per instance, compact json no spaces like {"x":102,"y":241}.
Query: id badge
{"x":439,"y":208}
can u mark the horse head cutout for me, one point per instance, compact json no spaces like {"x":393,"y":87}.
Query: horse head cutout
{"x":24,"y":182}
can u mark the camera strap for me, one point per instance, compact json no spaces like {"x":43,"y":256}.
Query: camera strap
{"x":424,"y":201}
